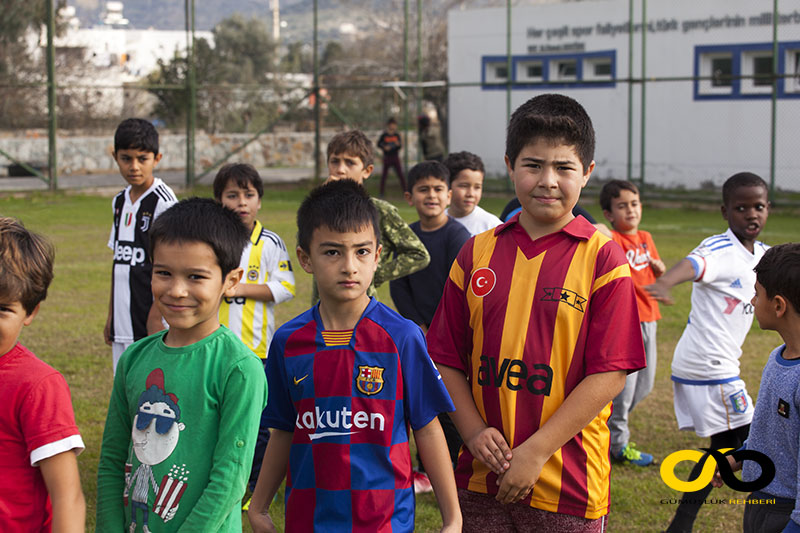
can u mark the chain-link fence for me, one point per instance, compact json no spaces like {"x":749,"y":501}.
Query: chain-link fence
{"x":709,"y":89}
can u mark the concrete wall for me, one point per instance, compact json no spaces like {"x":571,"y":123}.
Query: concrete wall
{"x":87,"y":155}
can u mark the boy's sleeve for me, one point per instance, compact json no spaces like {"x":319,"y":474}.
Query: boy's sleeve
{"x":48,"y":422}
{"x":280,"y":278}
{"x":651,"y":246}
{"x":403,"y":298}
{"x":111,"y":233}
{"x":613,"y":308}
{"x":244,"y":398}
{"x":450,"y":335}
{"x":280,"y":412}
{"x":403,"y":253}
{"x":113,"y":454}
{"x":424,"y":391}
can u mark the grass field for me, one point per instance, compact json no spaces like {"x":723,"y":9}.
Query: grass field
{"x":68,"y":334}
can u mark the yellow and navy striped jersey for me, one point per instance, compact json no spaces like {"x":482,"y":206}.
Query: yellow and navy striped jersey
{"x":265,"y":260}
{"x":526,"y":321}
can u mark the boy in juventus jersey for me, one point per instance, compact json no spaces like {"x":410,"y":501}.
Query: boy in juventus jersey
{"x":131,"y":313}
{"x":268,"y":277}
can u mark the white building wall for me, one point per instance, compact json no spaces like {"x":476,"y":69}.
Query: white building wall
{"x":689,"y":140}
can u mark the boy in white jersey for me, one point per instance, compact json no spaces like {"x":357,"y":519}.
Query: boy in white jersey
{"x":710,"y":398}
{"x":267,"y":279}
{"x":466,"y":183}
{"x":131,"y":313}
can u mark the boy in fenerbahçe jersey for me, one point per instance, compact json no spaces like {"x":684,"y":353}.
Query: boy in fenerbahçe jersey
{"x":534,"y":336}
{"x":347,"y":379}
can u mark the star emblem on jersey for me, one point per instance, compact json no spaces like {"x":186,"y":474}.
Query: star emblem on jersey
{"x":737,"y":284}
{"x":252,"y":275}
{"x":482,"y":282}
{"x":369,"y":380}
{"x":560,"y":294}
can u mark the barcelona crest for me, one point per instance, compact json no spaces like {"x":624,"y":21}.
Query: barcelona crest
{"x":370,"y":379}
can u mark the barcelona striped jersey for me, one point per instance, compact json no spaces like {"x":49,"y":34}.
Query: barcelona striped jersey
{"x":526,"y":320}
{"x":349,"y":398}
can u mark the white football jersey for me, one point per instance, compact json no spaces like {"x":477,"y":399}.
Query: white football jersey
{"x":478,"y":221}
{"x":721,"y":315}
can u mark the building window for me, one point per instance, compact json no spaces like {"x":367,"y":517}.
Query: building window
{"x":721,"y":72}
{"x":495,"y":71}
{"x":564,"y":69}
{"x":756,"y":72}
{"x":762,"y":70}
{"x":597,"y":68}
{"x":530,"y":71}
{"x":792,"y":81}
{"x":501,"y":72}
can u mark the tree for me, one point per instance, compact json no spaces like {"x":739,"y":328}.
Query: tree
{"x":234,"y":92}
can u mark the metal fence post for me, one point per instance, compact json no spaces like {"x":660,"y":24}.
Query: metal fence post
{"x":52,"y":121}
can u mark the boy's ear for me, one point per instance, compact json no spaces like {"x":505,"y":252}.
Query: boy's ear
{"x":30,"y":317}
{"x":157,"y":158}
{"x":780,"y":305}
{"x":608,"y":216}
{"x":232,"y":279}
{"x":509,"y":168}
{"x":368,"y":171}
{"x":304,"y":259}
{"x":407,"y":196}
{"x":587,"y":174}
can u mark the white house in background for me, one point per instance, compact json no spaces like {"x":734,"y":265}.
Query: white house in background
{"x":696,"y":131}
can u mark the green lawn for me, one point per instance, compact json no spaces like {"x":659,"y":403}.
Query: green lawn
{"x":68,"y":335}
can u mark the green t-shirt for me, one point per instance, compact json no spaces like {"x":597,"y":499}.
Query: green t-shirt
{"x":179,"y":436}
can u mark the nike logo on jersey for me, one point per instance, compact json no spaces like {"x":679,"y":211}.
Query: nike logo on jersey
{"x":736,"y":284}
{"x":297,"y":381}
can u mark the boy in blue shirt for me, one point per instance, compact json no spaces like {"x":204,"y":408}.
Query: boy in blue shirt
{"x":347,"y":379}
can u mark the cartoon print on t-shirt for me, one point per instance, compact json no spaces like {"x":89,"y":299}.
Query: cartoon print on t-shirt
{"x":154,"y":436}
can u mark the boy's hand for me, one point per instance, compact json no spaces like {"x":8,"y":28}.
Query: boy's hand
{"x":518,"y":481}
{"x":107,"y":331}
{"x":658,"y":291}
{"x":716,"y":481}
{"x":490,"y":447}
{"x":658,"y":267}
{"x":260,"y":522}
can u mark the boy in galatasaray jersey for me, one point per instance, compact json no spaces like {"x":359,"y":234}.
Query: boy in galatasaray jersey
{"x":534,"y":334}
{"x":347,"y":379}
{"x":268,"y":278}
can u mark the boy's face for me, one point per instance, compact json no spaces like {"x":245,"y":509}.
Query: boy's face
{"x":746,"y":212}
{"x":430,"y":197}
{"x":342,"y":263}
{"x":467,"y":188}
{"x":763,"y":308}
{"x":187,"y":288}
{"x":626,"y":212}
{"x":12,"y":318}
{"x":391,"y":127}
{"x":245,"y":202}
{"x":548,"y":177}
{"x":136,"y":166}
{"x":347,"y":166}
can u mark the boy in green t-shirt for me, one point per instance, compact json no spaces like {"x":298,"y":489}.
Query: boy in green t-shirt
{"x":184,"y":410}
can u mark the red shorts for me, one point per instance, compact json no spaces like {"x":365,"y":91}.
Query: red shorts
{"x":483,"y":514}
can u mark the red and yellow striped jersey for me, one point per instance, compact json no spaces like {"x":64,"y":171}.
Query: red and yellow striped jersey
{"x":526,"y":321}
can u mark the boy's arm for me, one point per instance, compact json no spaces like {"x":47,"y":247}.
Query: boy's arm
{"x":60,"y":474}
{"x":113,"y":455}
{"x":280,"y":278}
{"x":403,"y":253}
{"x":244,"y":397}
{"x":432,"y":448}
{"x":273,"y":470}
{"x":591,"y":395}
{"x":484,"y":442}
{"x":254,"y":291}
{"x":660,"y":290}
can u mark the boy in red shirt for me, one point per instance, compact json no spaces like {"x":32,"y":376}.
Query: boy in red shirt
{"x":623,"y":209}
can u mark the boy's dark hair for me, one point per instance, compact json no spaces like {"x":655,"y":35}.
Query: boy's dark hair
{"x":779,"y":272}
{"x":391,"y":120}
{"x":427,"y":169}
{"x":136,"y":134}
{"x":203,"y":220}
{"x":26,"y":264}
{"x":342,"y":205}
{"x":458,"y":161}
{"x":742,"y":179}
{"x":553,"y":117}
{"x":353,"y":142}
{"x":242,"y":174}
{"x":612,"y":190}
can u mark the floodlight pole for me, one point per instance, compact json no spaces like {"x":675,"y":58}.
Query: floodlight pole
{"x":417,"y":89}
{"x":315,"y":56}
{"x":52,"y":121}
{"x":508,"y":61}
{"x":191,"y":93}
{"x":405,"y":79}
{"x":644,"y":107}
{"x":774,"y":105}
{"x":629,"y":169}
